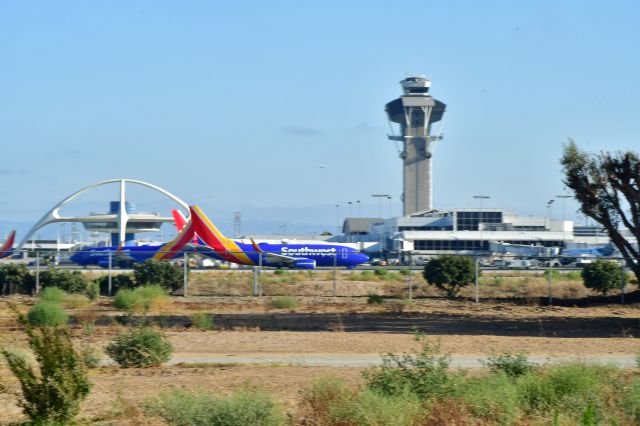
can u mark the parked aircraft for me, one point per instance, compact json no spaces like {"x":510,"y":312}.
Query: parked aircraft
{"x":248,"y":252}
{"x":7,"y":248}
{"x":602,"y":251}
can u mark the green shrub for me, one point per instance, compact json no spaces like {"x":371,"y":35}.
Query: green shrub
{"x":603,"y":276}
{"x":76,"y":301}
{"x":424,"y":373}
{"x":52,"y":395}
{"x":450,"y":273}
{"x":375,"y":299}
{"x":381,"y":272}
{"x":15,"y":278}
{"x":53,"y":295}
{"x":513,"y":365}
{"x":405,"y":271}
{"x":118,"y":282}
{"x":202,"y":321}
{"x":93,"y":290}
{"x":89,"y":357}
{"x":284,"y":302}
{"x":244,"y":408}
{"x":68,"y":281}
{"x":494,"y":398}
{"x":140,"y":347}
{"x":155,"y":272}
{"x":47,"y":314}
{"x":279,"y":272}
{"x":366,"y":275}
{"x":573,"y":275}
{"x":141,"y":299}
{"x":553,"y":273}
{"x":330,"y":402}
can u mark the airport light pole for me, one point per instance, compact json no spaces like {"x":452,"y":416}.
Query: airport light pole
{"x":337,"y":219}
{"x":380,"y":197}
{"x":564,"y":236}
{"x":389,"y":202}
{"x":350,"y":203}
{"x":359,"y":213}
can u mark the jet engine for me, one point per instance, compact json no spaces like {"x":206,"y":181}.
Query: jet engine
{"x":304,"y":264}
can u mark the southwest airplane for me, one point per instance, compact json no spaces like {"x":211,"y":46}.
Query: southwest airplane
{"x":201,"y":236}
{"x":602,"y":251}
{"x":7,"y":248}
{"x":298,"y":256}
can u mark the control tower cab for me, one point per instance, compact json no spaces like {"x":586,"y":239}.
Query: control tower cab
{"x":415,"y":111}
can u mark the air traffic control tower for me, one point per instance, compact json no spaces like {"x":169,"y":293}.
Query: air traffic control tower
{"x":415,"y":111}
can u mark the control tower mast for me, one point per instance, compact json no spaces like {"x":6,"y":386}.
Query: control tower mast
{"x":415,"y":111}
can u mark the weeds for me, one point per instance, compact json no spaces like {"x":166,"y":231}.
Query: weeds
{"x":47,"y":314}
{"x":284,"y":302}
{"x":513,"y":365}
{"x":140,"y":347}
{"x":244,"y":408}
{"x":202,"y":321}
{"x":141,"y":299}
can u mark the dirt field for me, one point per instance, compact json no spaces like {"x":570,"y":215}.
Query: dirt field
{"x":319,"y":326}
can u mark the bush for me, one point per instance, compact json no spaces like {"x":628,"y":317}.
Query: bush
{"x":53,"y":295}
{"x":553,"y":273}
{"x":141,"y":299}
{"x":285,"y":302}
{"x":330,"y":402}
{"x":573,"y":276}
{"x":366,"y":275}
{"x":140,"y":347}
{"x":381,"y":272}
{"x":603,"y":275}
{"x":118,"y":282}
{"x":450,"y":273}
{"x":244,"y":408}
{"x":424,"y":374}
{"x":46,"y":314}
{"x":279,"y":272}
{"x":157,"y":272}
{"x":202,"y":321}
{"x":52,"y":395}
{"x":93,"y":290}
{"x":513,"y":365}
{"x":76,"y":301}
{"x":15,"y":278}
{"x":375,"y":299}
{"x":68,"y":281}
{"x":89,"y":357}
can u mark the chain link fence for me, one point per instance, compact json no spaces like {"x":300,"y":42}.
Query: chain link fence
{"x":547,"y":280}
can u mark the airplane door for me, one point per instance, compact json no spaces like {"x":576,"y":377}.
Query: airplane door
{"x":345,"y":253}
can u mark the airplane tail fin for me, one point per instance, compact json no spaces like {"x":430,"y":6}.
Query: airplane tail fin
{"x":179,"y":219}
{"x":170,"y":249}
{"x":7,"y":248}
{"x":608,"y":249}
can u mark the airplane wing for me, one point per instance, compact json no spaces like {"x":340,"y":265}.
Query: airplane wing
{"x":274,"y":257}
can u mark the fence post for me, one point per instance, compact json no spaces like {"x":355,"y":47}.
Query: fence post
{"x":109,"y":278}
{"x":477,"y":296}
{"x":410,"y":284}
{"x":37,"y":272}
{"x":185,"y":277}
{"x":550,"y":282}
{"x":335,"y":272}
{"x":259,"y":275}
{"x":623,"y":285}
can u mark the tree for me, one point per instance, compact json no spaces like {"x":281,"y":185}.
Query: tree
{"x":607,"y":186}
{"x":15,"y":279}
{"x":603,"y":275}
{"x":52,"y":393}
{"x":450,"y":273}
{"x":157,"y":272}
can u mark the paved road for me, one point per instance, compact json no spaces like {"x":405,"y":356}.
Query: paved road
{"x":368,"y":360}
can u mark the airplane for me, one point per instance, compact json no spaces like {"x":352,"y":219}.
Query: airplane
{"x":602,"y":251}
{"x":291,"y":255}
{"x":7,"y":248}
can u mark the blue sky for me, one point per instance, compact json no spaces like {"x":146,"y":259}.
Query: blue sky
{"x":235,"y":106}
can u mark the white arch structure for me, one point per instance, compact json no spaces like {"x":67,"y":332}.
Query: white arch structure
{"x":122,"y":217}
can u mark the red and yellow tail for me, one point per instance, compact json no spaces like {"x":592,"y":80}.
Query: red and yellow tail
{"x":7,"y":248}
{"x":200,"y":224}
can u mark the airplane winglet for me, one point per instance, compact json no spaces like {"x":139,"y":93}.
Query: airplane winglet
{"x":256,"y":247}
